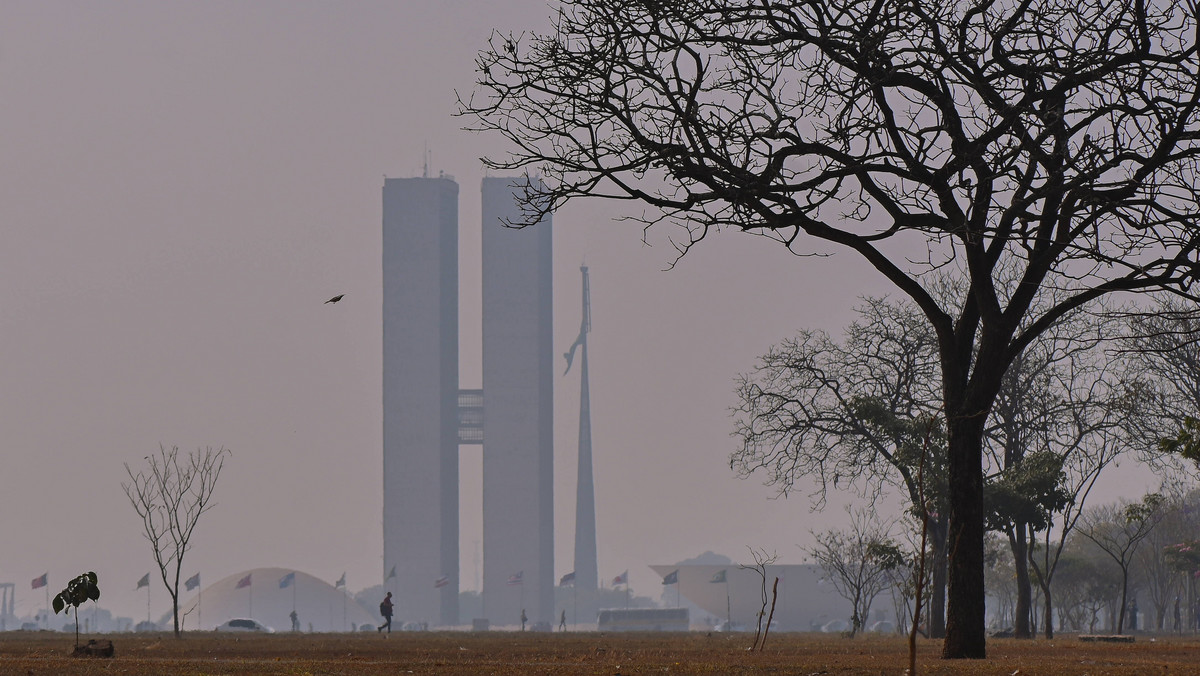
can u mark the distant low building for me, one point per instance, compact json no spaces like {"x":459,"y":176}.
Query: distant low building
{"x":806,"y":601}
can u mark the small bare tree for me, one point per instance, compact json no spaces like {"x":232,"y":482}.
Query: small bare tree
{"x":761,"y":560}
{"x":169,"y":495}
{"x":858,"y":562}
{"x":1117,"y":530}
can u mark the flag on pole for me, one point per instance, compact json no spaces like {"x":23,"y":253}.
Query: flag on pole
{"x":567,"y":579}
{"x":244,"y":582}
{"x":570,"y":354}
{"x":144,"y":582}
{"x":287,"y":580}
{"x":39,"y":582}
{"x":623,"y":578}
{"x":719,"y":576}
{"x":390,"y":575}
{"x":192,"y":582}
{"x":441,"y":582}
{"x":516,"y":578}
{"x":341,"y":581}
{"x":672,"y":577}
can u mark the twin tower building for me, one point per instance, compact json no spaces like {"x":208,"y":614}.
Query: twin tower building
{"x":427,"y":417}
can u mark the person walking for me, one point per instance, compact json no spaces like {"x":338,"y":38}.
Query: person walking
{"x":524,"y":619}
{"x":385,"y":609}
{"x":562,"y":620}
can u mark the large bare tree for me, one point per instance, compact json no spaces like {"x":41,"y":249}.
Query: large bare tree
{"x":1058,"y":134}
{"x":170,"y":494}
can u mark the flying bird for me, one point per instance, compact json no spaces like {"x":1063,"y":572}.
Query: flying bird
{"x":334,"y":299}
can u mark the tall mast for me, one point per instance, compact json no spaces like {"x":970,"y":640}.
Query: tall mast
{"x":586,"y":575}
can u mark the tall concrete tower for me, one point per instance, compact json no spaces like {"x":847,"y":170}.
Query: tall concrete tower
{"x":518,"y":405}
{"x":586,"y":574}
{"x":420,"y":397}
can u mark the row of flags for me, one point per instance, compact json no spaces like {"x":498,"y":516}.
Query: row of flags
{"x":194,"y":581}
{"x":673,"y":577}
{"x":289,"y":579}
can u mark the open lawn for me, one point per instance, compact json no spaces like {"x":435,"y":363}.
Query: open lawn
{"x":506,"y":654}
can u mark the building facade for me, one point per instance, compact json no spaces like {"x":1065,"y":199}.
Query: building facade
{"x":426,"y":416}
{"x":420,"y":397}
{"x":518,"y":405}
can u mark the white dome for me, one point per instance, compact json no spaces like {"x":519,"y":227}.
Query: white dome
{"x":317,"y":603}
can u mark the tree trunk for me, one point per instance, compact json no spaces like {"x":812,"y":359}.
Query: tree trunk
{"x":965,"y":636}
{"x":937,"y":599}
{"x":1020,"y":550}
{"x":1048,"y":607}
{"x":1124,"y":600}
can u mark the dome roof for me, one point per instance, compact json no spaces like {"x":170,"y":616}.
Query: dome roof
{"x":269,"y":598}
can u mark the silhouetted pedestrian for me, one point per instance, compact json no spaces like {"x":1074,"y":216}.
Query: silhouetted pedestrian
{"x":524,"y":619}
{"x":385,"y":609}
{"x":562,"y":620}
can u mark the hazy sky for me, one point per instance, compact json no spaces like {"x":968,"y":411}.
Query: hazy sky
{"x":182,"y":185}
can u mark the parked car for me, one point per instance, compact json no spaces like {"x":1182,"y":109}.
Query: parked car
{"x":245,"y":624}
{"x":836,"y":626}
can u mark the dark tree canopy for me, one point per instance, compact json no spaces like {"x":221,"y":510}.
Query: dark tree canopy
{"x":1059,"y":134}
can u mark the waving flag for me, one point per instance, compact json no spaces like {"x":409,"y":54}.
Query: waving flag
{"x":244,"y":582}
{"x":144,"y":582}
{"x":341,"y":581}
{"x":623,"y":578}
{"x":192,"y":582}
{"x":287,"y":580}
{"x":567,"y":579}
{"x":516,"y":578}
{"x":719,"y":576}
{"x":441,"y":582}
{"x":39,"y":582}
{"x":672,"y":577}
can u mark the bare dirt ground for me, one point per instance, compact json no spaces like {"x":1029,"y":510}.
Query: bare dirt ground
{"x":504,"y":654}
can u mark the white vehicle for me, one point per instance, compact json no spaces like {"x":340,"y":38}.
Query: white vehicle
{"x":245,"y":624}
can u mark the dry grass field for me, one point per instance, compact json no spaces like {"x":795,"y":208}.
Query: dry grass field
{"x":506,"y":654}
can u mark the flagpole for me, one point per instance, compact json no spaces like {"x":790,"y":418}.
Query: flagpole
{"x":728,"y":611}
{"x":147,"y":603}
